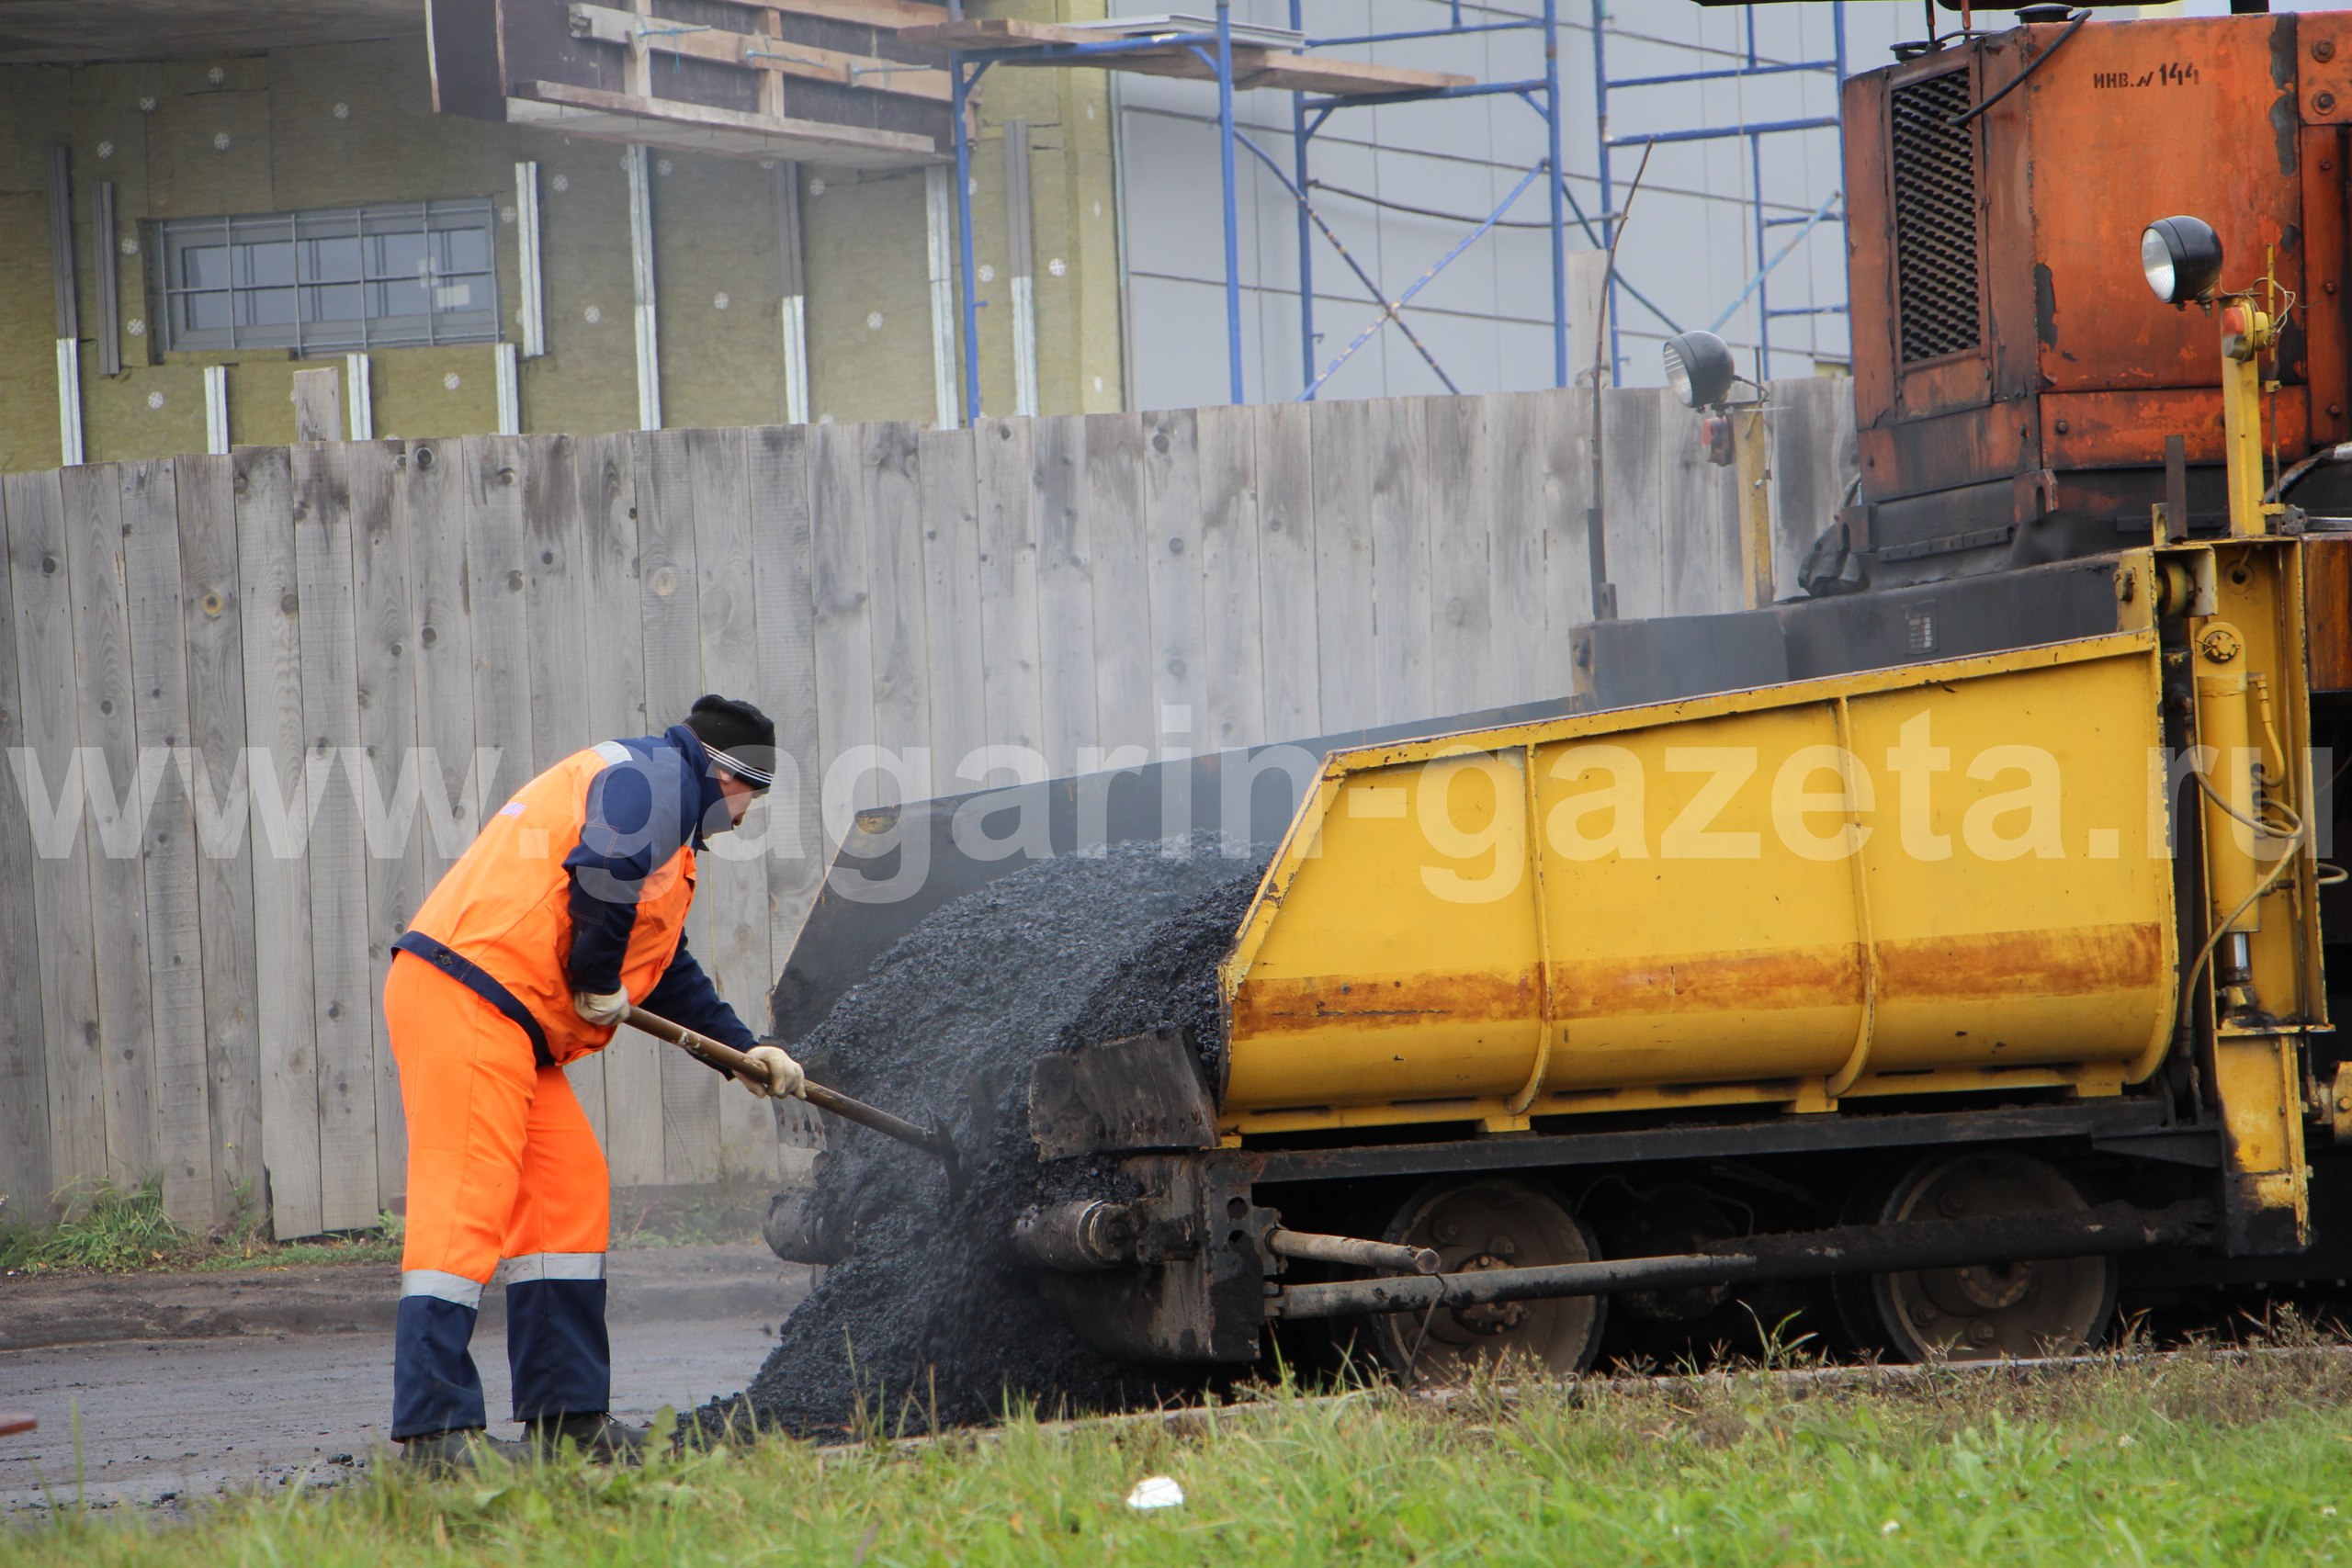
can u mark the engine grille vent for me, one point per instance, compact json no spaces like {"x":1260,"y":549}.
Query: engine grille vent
{"x":1935,"y":217}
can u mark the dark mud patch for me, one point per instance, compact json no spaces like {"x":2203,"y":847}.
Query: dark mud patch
{"x":930,"y":1322}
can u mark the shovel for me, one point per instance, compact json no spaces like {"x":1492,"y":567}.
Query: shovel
{"x":933,"y":1141}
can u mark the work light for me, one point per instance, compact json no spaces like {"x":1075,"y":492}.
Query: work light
{"x":2182,"y":257}
{"x":1699,"y":367}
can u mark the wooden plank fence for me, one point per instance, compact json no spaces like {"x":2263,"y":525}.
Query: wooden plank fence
{"x":250,"y":706}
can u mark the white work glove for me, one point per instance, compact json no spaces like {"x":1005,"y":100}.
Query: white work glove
{"x":602,"y":1010}
{"x":784,"y":1075}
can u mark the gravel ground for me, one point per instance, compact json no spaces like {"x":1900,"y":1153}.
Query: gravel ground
{"x":929,"y":1321}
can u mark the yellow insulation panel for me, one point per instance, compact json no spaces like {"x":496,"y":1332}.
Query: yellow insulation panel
{"x":1916,"y":879}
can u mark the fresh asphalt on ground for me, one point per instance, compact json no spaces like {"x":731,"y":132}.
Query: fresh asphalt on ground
{"x":171,"y":1420}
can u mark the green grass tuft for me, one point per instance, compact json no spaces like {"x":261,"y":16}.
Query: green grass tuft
{"x":111,"y":1228}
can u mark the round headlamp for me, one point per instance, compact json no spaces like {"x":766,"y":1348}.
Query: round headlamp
{"x":1699,"y":367}
{"x":2182,"y":259}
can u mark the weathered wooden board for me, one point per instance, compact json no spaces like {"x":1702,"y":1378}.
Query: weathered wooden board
{"x":1518,"y":549}
{"x":1344,"y":583}
{"x":24,"y":1151}
{"x":953,"y":643}
{"x":840,"y":578}
{"x":1232,"y":651}
{"x":1454,"y":499}
{"x":901,"y":646}
{"x":1403,"y":538}
{"x":604,"y":575}
{"x":1698,"y":527}
{"x":211,"y":621}
{"x":343,"y":1000}
{"x":778,"y":467}
{"x":729,"y":922}
{"x":387,"y":772}
{"x":1013,"y":693}
{"x":1172,"y":568}
{"x":1125,"y":729}
{"x":183,"y":1124}
{"x":496,"y":584}
{"x":1811,"y":428}
{"x":1065,"y":589}
{"x":41,"y":578}
{"x":777,"y":460}
{"x":555,"y":608}
{"x":114,"y":804}
{"x":281,"y":788}
{"x":1287,"y":592}
{"x":457,"y":782}
{"x":1631,"y":424}
{"x":1564,"y":426}
{"x":671,"y":625}
{"x":555,"y":651}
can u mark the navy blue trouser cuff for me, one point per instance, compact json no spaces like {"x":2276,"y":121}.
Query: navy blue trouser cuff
{"x":434,"y":1385}
{"x":557,"y":1348}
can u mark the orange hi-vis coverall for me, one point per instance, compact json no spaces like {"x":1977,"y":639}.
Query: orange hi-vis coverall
{"x":581,"y":883}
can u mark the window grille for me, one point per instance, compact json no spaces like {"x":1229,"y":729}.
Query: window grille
{"x":332,"y":280}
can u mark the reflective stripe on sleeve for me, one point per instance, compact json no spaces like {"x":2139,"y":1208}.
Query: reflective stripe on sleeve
{"x":612,"y":752}
{"x":447,"y":1287}
{"x":555,"y":1265}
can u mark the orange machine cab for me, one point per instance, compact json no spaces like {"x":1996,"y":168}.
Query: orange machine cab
{"x":2014,"y":381}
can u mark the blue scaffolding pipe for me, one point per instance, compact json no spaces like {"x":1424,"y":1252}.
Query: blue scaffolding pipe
{"x":1379,"y":295}
{"x":1424,"y":32}
{"x":1232,"y":211}
{"x":1722,"y":73}
{"x":1751,"y":64}
{"x":1425,"y":95}
{"x":1423,"y":282}
{"x":1756,"y":282}
{"x":960,"y":86}
{"x":1719,"y":132}
{"x":1554,"y":187}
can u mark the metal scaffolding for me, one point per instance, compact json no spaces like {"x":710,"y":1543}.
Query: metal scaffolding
{"x":1752,"y":66}
{"x":1209,"y":54}
{"x":1310,"y":111}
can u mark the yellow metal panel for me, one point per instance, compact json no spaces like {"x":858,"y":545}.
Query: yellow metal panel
{"x":1938,"y":878}
{"x":2258,"y":1084}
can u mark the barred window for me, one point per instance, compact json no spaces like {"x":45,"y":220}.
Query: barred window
{"x":326,"y":281}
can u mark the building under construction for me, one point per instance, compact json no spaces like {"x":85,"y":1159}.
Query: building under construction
{"x":586,"y":217}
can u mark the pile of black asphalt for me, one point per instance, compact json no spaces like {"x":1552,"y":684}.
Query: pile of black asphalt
{"x":931,"y":1322}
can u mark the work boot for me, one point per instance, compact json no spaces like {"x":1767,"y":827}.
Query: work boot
{"x":449,"y":1453}
{"x":597,"y":1436}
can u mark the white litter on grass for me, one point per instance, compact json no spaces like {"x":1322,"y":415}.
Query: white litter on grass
{"x":1156,"y":1492}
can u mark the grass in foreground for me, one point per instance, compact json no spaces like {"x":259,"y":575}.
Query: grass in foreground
{"x":2205,"y":1457}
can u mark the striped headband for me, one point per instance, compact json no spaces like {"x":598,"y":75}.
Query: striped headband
{"x":758,"y":778}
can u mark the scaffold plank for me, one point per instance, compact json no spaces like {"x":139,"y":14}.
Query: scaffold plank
{"x":1281,"y":70}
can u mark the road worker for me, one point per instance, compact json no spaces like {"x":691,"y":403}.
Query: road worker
{"x":570,"y":907}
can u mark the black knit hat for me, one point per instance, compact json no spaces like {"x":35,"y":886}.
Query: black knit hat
{"x":739,"y":737}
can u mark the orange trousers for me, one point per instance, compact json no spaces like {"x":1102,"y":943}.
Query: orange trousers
{"x":502,"y":1162}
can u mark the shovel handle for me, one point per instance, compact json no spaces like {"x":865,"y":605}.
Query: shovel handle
{"x":721,"y":1055}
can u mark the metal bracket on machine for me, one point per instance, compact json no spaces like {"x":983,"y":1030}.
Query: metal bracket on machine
{"x":1143,"y":1092}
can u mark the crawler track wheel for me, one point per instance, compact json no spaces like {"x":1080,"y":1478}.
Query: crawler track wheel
{"x":1989,"y":1311}
{"x":1491,"y":1223}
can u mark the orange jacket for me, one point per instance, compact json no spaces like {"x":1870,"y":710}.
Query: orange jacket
{"x":556,"y":897}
